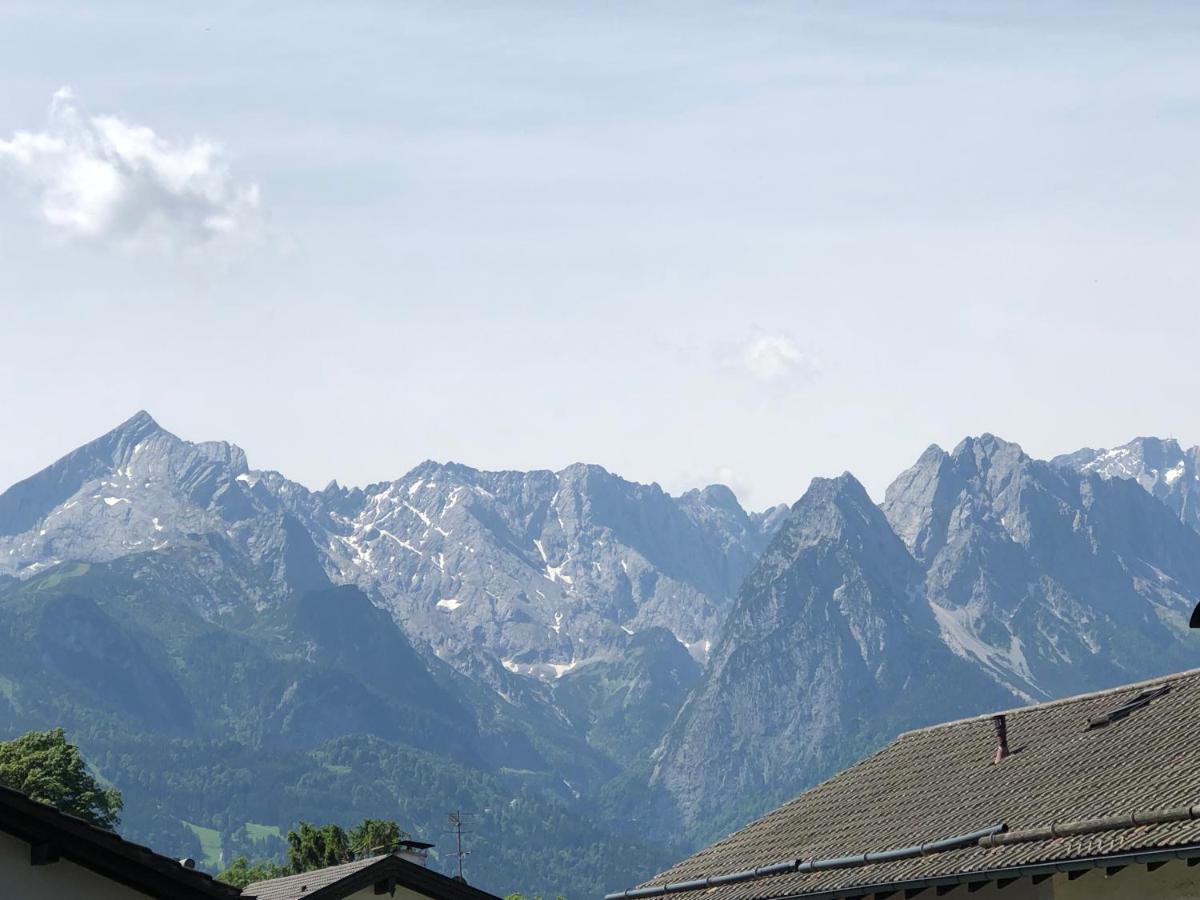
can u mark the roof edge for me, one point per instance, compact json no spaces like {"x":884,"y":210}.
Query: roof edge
{"x":1188,"y":852}
{"x":105,"y":852}
{"x":386,"y":867}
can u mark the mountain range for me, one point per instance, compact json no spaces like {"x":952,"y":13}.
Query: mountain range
{"x":563,"y":653}
{"x":985,"y":580}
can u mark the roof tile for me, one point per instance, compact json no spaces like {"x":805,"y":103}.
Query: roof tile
{"x":939,"y":782}
{"x":292,"y":887}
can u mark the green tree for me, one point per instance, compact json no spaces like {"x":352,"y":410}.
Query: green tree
{"x":311,"y":848}
{"x":242,"y":872}
{"x":371,"y":837}
{"x":42,"y":765}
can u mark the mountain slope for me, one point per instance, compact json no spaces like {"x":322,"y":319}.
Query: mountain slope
{"x":829,"y":650}
{"x":985,"y":579}
{"x":572,"y":645}
{"x":1052,"y":581}
{"x":623,"y":705}
{"x":140,"y":489}
{"x":542,"y":570}
{"x":545,"y":570}
{"x":322,"y":710}
{"x":161,"y":599}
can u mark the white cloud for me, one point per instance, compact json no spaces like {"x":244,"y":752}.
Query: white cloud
{"x":775,"y":358}
{"x":103,"y":178}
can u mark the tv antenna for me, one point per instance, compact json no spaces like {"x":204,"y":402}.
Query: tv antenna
{"x":459,"y":821}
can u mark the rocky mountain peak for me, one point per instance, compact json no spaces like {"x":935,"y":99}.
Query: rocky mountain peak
{"x":986,"y":465}
{"x":829,"y":635}
{"x":26,"y":503}
{"x":942,"y":491}
{"x":137,"y":425}
{"x":136,"y":488}
{"x":987,"y":449}
{"x":831,"y":509}
{"x":721,"y":497}
{"x":1160,"y":465}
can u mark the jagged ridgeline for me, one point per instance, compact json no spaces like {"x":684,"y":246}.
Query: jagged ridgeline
{"x":238,"y":652}
{"x":604,"y":673}
{"x":987,"y":579}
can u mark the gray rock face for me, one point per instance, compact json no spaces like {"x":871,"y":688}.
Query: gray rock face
{"x":140,"y":489}
{"x":544,"y":571}
{"x":1051,"y":581}
{"x":986,"y":579}
{"x":1162,"y":467}
{"x":829,"y":650}
{"x":583,"y":605}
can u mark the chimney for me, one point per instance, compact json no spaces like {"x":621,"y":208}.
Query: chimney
{"x":1001,"y":739}
{"x":413,"y":851}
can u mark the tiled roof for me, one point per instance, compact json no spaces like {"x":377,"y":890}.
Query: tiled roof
{"x":341,"y":881}
{"x":939,"y":782}
{"x":105,"y":852}
{"x":292,"y":887}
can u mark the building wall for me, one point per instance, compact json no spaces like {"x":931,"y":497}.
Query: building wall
{"x":1174,"y":881}
{"x":62,"y":880}
{"x":401,"y":894}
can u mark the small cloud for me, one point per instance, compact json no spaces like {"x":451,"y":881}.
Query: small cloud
{"x":776,"y":358}
{"x":102,"y":178}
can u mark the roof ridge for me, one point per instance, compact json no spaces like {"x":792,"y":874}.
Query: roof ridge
{"x":357,"y":863}
{"x":1061,"y":701}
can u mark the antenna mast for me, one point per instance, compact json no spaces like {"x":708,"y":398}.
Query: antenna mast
{"x":458,"y":823}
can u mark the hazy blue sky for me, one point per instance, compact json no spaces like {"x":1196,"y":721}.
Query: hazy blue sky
{"x":753,"y":242}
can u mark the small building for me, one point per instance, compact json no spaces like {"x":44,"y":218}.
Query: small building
{"x":1095,"y":796}
{"x":402,"y":874}
{"x":47,"y":854}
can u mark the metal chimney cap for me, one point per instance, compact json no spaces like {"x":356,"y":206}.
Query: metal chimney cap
{"x":1000,"y":723}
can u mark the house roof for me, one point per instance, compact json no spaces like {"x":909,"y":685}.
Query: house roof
{"x":54,"y":835}
{"x":291,"y":886}
{"x":335,"y":882}
{"x":1071,"y":761}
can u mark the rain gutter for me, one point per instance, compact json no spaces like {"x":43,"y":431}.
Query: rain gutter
{"x":800,"y":866}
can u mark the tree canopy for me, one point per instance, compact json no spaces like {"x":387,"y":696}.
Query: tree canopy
{"x":310,"y":847}
{"x":242,"y":872}
{"x":370,"y":837}
{"x":42,"y":765}
{"x":315,"y":847}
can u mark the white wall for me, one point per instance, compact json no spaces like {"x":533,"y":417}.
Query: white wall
{"x":62,"y":880}
{"x":401,"y":894}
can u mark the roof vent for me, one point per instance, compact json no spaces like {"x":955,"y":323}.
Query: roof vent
{"x":1120,"y":712}
{"x":1002,"y":751}
{"x":188,"y":863}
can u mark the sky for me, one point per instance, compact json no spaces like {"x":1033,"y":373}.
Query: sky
{"x":749,"y":242}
